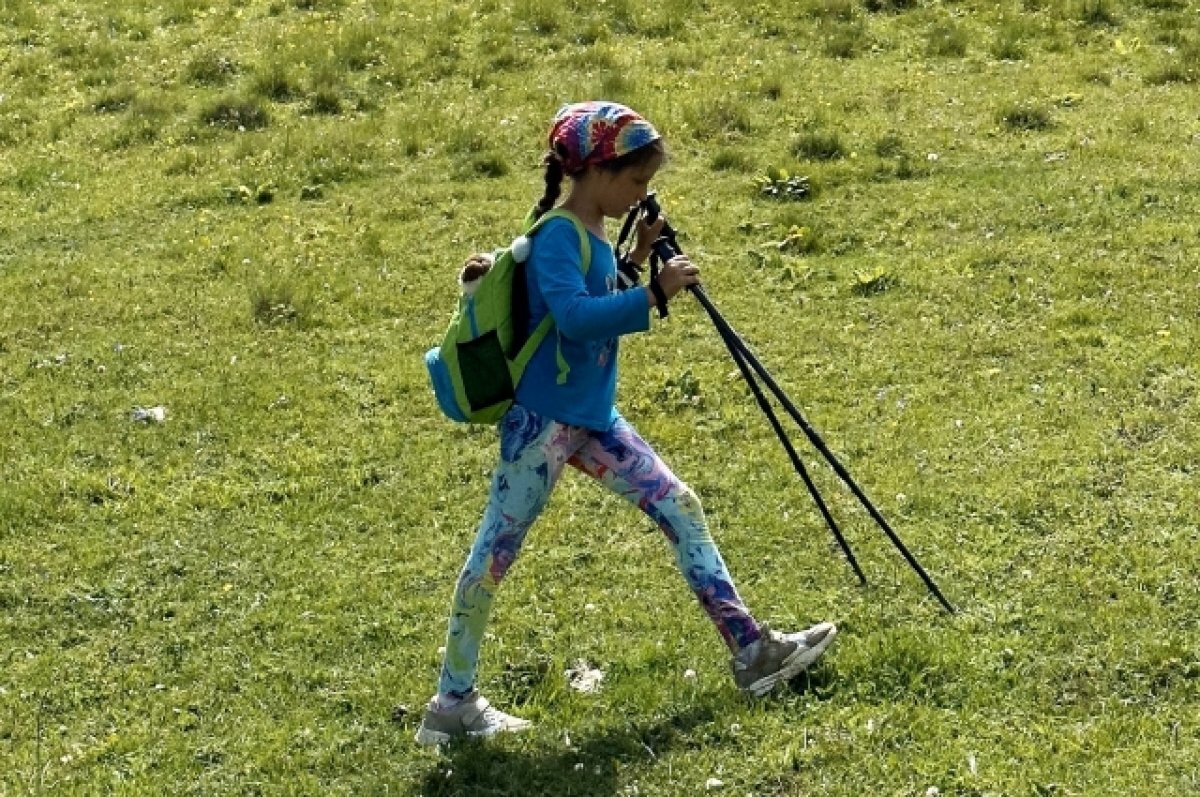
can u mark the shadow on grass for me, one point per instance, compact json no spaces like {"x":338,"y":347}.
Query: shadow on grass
{"x":588,"y":768}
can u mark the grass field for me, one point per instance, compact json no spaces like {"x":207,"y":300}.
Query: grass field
{"x":251,"y":214}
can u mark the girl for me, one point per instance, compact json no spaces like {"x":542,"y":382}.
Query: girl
{"x":610,"y":154}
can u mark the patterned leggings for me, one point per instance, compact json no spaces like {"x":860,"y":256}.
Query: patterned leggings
{"x":533,"y":451}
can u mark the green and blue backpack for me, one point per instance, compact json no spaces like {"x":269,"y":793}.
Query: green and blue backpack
{"x":476,"y":369}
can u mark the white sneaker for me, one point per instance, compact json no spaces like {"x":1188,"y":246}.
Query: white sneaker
{"x":474,"y":716}
{"x":776,"y":657}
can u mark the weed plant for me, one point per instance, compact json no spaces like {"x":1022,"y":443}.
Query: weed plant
{"x":1026,"y":116}
{"x":818,"y":145}
{"x":250,"y":215}
{"x":948,"y":40}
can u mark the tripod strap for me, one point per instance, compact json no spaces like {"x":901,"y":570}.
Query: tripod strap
{"x":626,"y":228}
{"x":656,"y":289}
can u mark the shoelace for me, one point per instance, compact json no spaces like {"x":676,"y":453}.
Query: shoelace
{"x":493,"y":716}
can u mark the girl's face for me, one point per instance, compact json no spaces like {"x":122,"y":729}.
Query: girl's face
{"x":617,"y":192}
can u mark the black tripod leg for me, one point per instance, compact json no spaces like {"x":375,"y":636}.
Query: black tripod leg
{"x":732,"y":340}
{"x":797,"y":463}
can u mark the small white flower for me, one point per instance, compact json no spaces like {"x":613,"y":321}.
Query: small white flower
{"x":689,"y":674}
{"x":582,"y":677}
{"x":148,"y":414}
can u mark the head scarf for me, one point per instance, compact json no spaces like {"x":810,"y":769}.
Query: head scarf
{"x":589,"y":133}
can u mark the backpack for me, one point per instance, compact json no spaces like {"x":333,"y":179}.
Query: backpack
{"x":482,"y":356}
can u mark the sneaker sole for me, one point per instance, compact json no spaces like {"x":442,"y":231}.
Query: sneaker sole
{"x":429,"y":737}
{"x":795,"y":664}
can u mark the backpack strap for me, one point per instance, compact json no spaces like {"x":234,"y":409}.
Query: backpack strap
{"x":543,"y":328}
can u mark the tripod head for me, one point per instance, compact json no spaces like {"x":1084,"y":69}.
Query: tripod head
{"x":662,"y":250}
{"x":666,"y":246}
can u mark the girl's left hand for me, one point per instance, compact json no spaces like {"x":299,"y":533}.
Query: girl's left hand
{"x":676,"y":274}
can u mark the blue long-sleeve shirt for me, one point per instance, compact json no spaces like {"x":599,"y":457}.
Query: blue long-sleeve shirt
{"x":590,"y":314}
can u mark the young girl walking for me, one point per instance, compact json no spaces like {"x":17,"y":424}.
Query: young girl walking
{"x":610,"y":154}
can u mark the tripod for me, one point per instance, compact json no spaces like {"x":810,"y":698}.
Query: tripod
{"x":667,"y":247}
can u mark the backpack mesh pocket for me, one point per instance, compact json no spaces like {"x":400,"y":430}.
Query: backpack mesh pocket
{"x":485,"y":376}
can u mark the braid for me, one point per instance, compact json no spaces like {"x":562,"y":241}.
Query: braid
{"x":554,"y":178}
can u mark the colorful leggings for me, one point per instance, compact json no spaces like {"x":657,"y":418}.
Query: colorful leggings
{"x":533,"y":451}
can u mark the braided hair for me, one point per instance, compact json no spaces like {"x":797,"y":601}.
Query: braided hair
{"x":553,"y":177}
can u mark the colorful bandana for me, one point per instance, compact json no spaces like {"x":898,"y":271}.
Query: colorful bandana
{"x":589,"y":133}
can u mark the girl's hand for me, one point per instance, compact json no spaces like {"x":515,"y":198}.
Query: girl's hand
{"x":647,"y":234}
{"x":676,"y":274}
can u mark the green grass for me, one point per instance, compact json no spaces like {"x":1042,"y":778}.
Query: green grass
{"x":252,"y":214}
